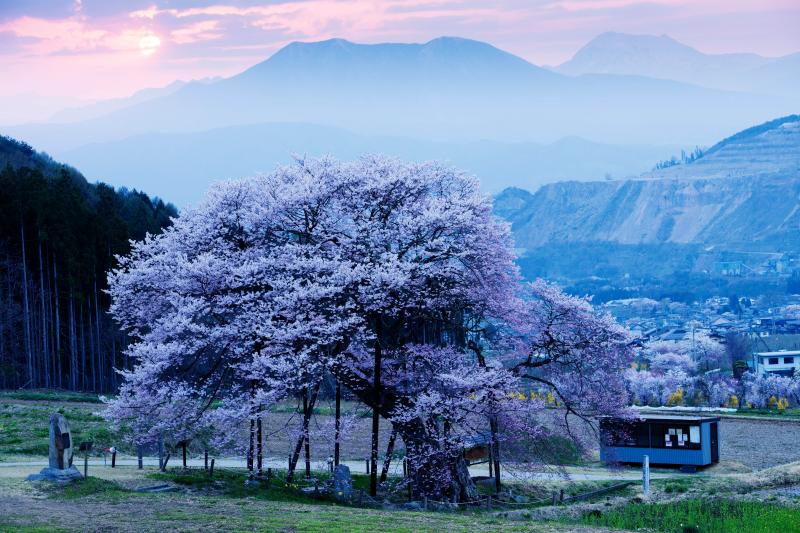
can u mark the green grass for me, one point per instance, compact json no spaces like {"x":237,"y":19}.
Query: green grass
{"x":786,"y":413}
{"x":16,"y":528}
{"x":24,"y":428}
{"x":47,"y":395}
{"x":91,"y":486}
{"x":678,"y":485}
{"x":230,"y":483}
{"x":701,"y":516}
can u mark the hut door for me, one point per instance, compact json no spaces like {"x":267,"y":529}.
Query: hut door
{"x":714,"y":443}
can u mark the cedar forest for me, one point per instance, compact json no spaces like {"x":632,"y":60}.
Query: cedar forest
{"x":59,"y":236}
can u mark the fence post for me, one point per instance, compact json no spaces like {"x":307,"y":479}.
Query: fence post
{"x":555,"y":498}
{"x":211,"y":472}
{"x":646,"y":476}
{"x":139,"y":456}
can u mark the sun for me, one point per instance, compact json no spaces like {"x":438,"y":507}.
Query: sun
{"x":149,"y":44}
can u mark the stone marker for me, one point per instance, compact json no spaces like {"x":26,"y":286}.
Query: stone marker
{"x":60,"y":467}
{"x":342,"y":483}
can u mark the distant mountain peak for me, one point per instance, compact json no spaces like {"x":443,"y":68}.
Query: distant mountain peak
{"x":616,"y":38}
{"x":437,"y":57}
{"x":663,"y":57}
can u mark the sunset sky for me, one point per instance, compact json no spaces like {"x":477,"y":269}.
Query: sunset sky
{"x":92,"y":49}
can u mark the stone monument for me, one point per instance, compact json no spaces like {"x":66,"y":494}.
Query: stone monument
{"x":60,"y":466}
{"x":342,"y":483}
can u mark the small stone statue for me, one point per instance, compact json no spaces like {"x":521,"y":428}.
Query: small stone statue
{"x":60,"y":467}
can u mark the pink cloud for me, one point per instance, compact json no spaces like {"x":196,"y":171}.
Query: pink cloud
{"x":103,"y":55}
{"x":72,"y":35}
{"x":206,"y":30}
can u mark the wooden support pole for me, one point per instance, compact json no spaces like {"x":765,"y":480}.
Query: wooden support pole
{"x":388,"y":459}
{"x":259,"y":448}
{"x":338,"y":424}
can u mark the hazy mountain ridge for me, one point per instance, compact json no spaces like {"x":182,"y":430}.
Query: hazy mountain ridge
{"x":447,"y":89}
{"x":175,"y":164}
{"x":714,"y":200}
{"x":104,"y":107}
{"x":665,"y":58}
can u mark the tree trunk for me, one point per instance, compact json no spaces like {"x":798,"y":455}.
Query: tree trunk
{"x":97,"y":326}
{"x":387,"y":461}
{"x":259,"y":448}
{"x":92,"y":351}
{"x":304,"y":432}
{"x":58,"y":322}
{"x":338,"y":423}
{"x":376,"y":415}
{"x":83,"y":348}
{"x":251,"y":447}
{"x":495,"y":443}
{"x":45,"y":351}
{"x":73,"y":358}
{"x":428,"y":465}
{"x":307,"y":414}
{"x":27,"y":313}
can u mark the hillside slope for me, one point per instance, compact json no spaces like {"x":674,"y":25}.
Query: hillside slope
{"x":746,"y":189}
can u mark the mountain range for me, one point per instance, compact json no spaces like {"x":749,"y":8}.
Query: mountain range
{"x":495,"y":114}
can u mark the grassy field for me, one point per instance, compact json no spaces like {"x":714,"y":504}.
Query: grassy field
{"x":717,"y":501}
{"x":224,"y":504}
{"x":24,"y":420}
{"x":696,"y":515}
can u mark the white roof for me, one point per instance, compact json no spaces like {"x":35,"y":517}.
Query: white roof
{"x":785,"y":352}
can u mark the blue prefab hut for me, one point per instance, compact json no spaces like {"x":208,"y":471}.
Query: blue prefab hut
{"x":667,"y":440}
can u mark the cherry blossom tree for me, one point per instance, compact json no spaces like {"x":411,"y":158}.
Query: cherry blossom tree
{"x":395,"y":278}
{"x":767,"y":389}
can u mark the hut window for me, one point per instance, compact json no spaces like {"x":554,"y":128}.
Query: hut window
{"x":674,"y":436}
{"x":773,"y":360}
{"x":621,"y":433}
{"x":788,"y":360}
